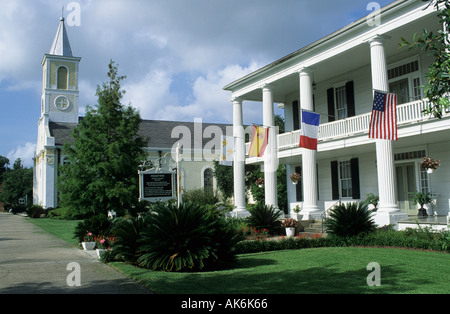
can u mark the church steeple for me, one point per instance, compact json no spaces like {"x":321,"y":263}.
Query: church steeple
{"x":60,"y":92}
{"x":61,"y":44}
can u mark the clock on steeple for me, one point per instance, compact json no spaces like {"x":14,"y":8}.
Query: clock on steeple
{"x":60,"y":93}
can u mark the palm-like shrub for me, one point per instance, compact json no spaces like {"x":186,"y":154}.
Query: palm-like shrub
{"x":350,"y":219}
{"x":97,"y":225}
{"x":183,"y":238}
{"x":128,"y":233}
{"x":265,"y":217}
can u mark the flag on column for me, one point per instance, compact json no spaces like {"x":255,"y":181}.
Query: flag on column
{"x":227,"y":150}
{"x":383,"y":124}
{"x":310,"y":130}
{"x":260,"y":140}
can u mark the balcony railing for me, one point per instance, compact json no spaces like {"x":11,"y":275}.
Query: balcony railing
{"x":406,"y":113}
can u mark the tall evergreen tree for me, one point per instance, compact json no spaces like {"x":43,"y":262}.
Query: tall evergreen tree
{"x":17,"y":183}
{"x":103,"y":160}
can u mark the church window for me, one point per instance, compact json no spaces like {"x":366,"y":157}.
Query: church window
{"x":62,"y":78}
{"x":208,"y":180}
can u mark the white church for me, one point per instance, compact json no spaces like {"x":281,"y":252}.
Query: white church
{"x":336,"y":77}
{"x":60,"y":115}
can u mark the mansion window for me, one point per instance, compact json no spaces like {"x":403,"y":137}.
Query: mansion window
{"x":341,"y":102}
{"x":345,"y":179}
{"x":404,"y":81}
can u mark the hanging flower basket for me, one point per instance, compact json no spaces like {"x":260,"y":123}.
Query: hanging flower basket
{"x":295,"y":178}
{"x":260,"y":182}
{"x":429,"y":164}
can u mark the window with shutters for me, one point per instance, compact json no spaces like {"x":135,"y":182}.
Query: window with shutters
{"x":341,"y":102}
{"x":345,"y":179}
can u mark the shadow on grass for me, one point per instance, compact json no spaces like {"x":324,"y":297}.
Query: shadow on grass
{"x":245,"y":278}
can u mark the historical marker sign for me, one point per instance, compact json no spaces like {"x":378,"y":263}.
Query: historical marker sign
{"x":157,"y":186}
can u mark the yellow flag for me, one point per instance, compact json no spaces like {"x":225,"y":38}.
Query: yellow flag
{"x":260,"y":140}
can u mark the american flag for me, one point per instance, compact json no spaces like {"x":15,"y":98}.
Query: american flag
{"x":383,"y":124}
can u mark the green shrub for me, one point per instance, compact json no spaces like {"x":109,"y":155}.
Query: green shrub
{"x":62,"y":213}
{"x":97,"y":225}
{"x":128,"y":233}
{"x":201,"y":197}
{"x":265,"y":217}
{"x":186,"y":238}
{"x":18,"y":209}
{"x":35,"y":211}
{"x":350,"y":219}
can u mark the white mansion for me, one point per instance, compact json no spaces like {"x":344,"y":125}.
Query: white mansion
{"x":336,"y":76}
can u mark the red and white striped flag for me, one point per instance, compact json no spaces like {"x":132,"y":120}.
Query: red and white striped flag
{"x":383,"y":124}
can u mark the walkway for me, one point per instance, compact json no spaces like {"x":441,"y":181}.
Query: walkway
{"x":35,"y":262}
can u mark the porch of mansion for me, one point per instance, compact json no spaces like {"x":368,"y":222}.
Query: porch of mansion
{"x":336,"y":77}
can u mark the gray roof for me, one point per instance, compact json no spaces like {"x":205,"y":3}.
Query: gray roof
{"x":158,"y":133}
{"x":61,"y":45}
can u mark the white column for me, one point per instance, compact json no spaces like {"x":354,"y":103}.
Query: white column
{"x":388,"y":212}
{"x":239,"y":159}
{"x":270,"y":156}
{"x":310,"y":210}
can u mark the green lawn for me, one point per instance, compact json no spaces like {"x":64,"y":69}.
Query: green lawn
{"x":310,"y":271}
{"x":61,"y":228}
{"x":315,"y":271}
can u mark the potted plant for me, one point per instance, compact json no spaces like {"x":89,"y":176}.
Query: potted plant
{"x":297,"y":209}
{"x":290,"y":225}
{"x":295,"y":177}
{"x":429,"y":164}
{"x":88,"y":241}
{"x":103,"y":244}
{"x":421,"y":199}
{"x":373,"y":200}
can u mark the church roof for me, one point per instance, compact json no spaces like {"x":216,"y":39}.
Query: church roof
{"x":158,"y":133}
{"x":61,"y":45}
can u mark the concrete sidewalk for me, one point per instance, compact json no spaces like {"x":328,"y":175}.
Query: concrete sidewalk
{"x":35,"y":262}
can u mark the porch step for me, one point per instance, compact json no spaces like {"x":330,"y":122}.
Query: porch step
{"x":314,"y":228}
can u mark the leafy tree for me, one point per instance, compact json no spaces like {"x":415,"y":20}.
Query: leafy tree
{"x":438,"y":45}
{"x":103,"y":159}
{"x":17,"y":183}
{"x":4,"y":162}
{"x":224,"y":176}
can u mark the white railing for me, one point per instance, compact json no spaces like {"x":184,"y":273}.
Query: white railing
{"x":406,"y":113}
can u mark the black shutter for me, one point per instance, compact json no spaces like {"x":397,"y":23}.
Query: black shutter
{"x":296,"y":116}
{"x":299,"y":186}
{"x":335,"y":180}
{"x":356,"y":192}
{"x":350,"y":91}
{"x":330,"y":97}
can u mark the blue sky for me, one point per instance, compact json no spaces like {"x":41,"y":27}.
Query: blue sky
{"x":177,"y":54}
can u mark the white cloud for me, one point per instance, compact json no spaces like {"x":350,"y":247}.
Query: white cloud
{"x":25,"y":153}
{"x":151,"y":95}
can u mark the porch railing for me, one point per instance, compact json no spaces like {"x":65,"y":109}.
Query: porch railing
{"x":406,"y":113}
